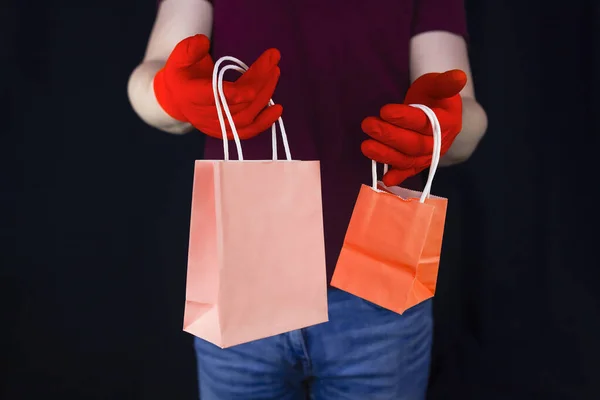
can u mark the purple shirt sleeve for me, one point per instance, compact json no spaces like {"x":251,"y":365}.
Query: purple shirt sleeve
{"x":440,"y":15}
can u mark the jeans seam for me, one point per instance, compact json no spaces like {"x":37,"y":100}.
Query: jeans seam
{"x":307,"y":361}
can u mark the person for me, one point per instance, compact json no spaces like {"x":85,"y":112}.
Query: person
{"x":342,"y":70}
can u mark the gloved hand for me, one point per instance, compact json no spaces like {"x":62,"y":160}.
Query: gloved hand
{"x":402,"y":136}
{"x":183,"y":88}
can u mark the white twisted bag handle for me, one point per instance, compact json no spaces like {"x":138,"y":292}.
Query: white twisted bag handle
{"x":221,"y":101}
{"x":435,"y":160}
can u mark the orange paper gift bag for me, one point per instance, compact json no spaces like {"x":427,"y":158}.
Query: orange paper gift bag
{"x":391,"y":251}
{"x":256,"y":256}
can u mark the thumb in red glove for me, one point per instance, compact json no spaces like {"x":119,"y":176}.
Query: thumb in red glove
{"x":402,"y":135}
{"x":183,"y":88}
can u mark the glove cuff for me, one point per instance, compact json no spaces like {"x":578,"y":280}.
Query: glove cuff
{"x":164,"y":97}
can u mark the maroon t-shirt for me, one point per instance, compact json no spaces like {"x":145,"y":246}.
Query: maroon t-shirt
{"x":341,"y":62}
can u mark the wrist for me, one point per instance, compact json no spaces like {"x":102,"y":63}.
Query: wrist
{"x":164,"y":97}
{"x":142,"y":98}
{"x":474,"y":126}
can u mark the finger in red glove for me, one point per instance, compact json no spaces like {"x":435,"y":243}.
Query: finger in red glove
{"x":244,"y":115}
{"x":395,"y":177}
{"x":384,"y":154}
{"x":436,"y":86}
{"x":403,"y":139}
{"x":261,"y":97}
{"x":251,"y":93}
{"x":402,"y":166}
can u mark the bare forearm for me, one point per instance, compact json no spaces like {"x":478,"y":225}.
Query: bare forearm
{"x":473,"y":128}
{"x":176,"y":20}
{"x":141,"y":95}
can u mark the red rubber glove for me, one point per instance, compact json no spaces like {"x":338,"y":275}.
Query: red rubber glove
{"x":183,"y":88}
{"x":403,"y":137}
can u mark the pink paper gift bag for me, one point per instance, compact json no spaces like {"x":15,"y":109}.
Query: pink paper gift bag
{"x":256,"y":263}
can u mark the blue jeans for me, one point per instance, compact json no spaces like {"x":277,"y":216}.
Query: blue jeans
{"x":364,"y":352}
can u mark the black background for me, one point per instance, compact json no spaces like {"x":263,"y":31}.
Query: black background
{"x":95,"y":210}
